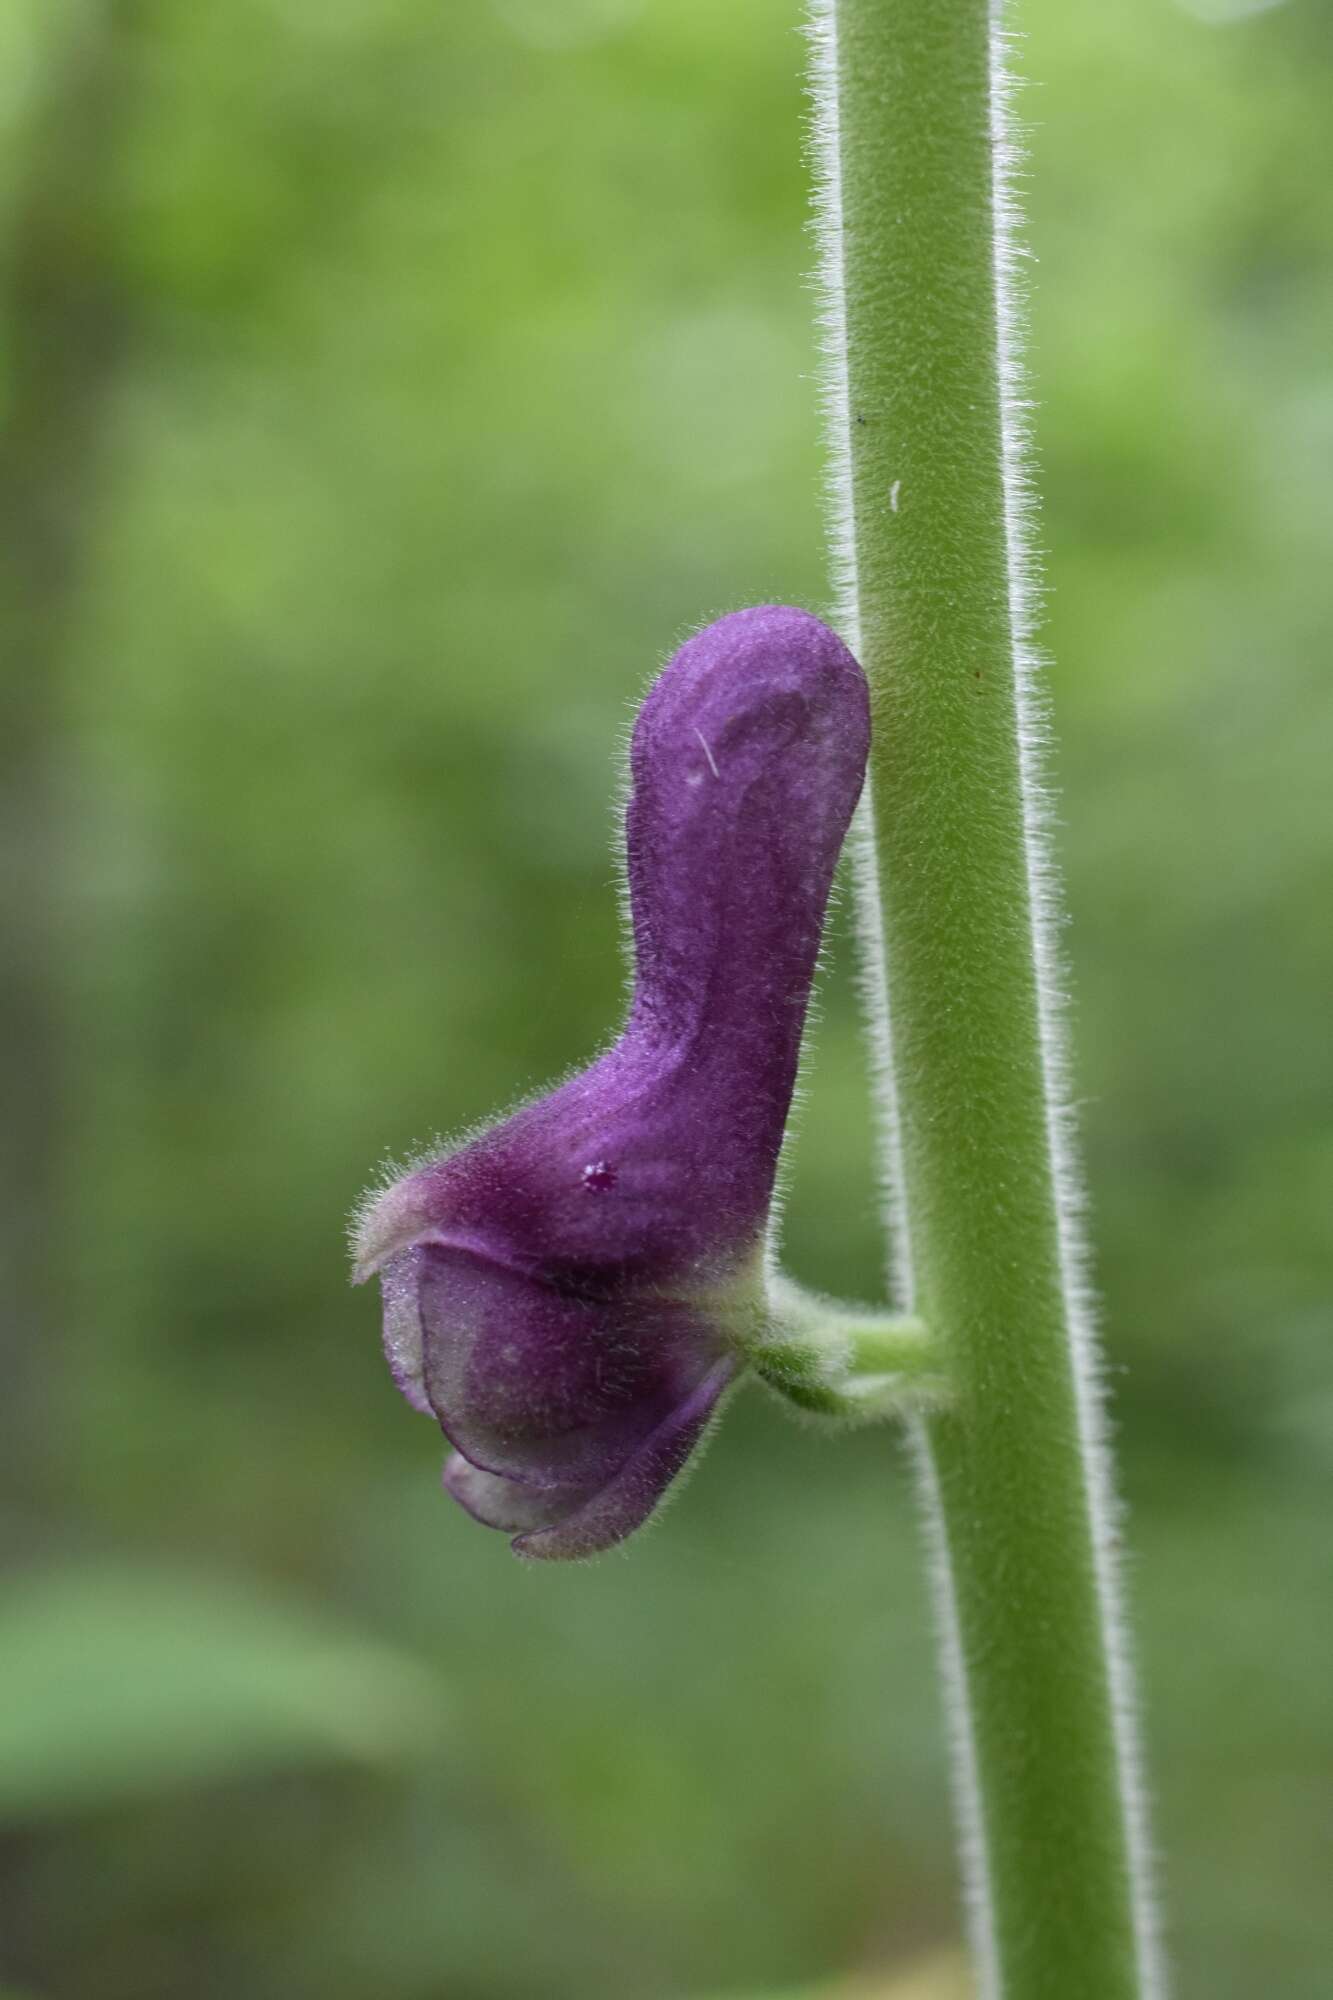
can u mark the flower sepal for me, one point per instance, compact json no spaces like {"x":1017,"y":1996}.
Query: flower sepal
{"x":846,"y":1363}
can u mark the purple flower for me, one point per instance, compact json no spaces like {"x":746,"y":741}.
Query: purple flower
{"x":571,"y":1293}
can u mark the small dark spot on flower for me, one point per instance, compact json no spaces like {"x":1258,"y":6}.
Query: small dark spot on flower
{"x":598,"y":1176}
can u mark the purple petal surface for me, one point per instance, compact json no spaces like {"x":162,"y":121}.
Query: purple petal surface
{"x":627,"y":1500}
{"x":561,"y":1292}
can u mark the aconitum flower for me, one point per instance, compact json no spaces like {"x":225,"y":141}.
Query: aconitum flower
{"x":572,"y":1293}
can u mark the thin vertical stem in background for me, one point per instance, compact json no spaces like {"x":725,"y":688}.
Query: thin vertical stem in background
{"x":957,"y":916}
{"x":63,"y":329}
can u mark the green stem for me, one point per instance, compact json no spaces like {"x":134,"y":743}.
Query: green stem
{"x":955,"y":917}
{"x":849,"y":1363}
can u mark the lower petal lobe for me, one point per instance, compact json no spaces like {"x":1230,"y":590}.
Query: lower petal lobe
{"x":625,"y":1502}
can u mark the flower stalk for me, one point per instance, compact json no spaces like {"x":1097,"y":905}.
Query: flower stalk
{"x":845,"y":1362}
{"x":916,"y":211}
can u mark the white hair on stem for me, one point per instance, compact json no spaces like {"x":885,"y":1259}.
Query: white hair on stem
{"x":1024,"y":591}
{"x":835,"y":400}
{"x":835,"y":405}
{"x":1105,"y":1509}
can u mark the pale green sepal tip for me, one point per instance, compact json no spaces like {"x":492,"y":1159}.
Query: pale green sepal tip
{"x":844,"y":1362}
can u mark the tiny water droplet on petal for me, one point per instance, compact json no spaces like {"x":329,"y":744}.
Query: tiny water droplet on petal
{"x":598,"y":1176}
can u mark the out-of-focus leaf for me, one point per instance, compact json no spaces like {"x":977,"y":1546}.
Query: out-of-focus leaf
{"x":115,"y":1682}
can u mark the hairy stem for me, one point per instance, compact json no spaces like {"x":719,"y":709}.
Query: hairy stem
{"x":955,"y":894}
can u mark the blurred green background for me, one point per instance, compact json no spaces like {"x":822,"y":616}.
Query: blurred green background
{"x":387,"y":385}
